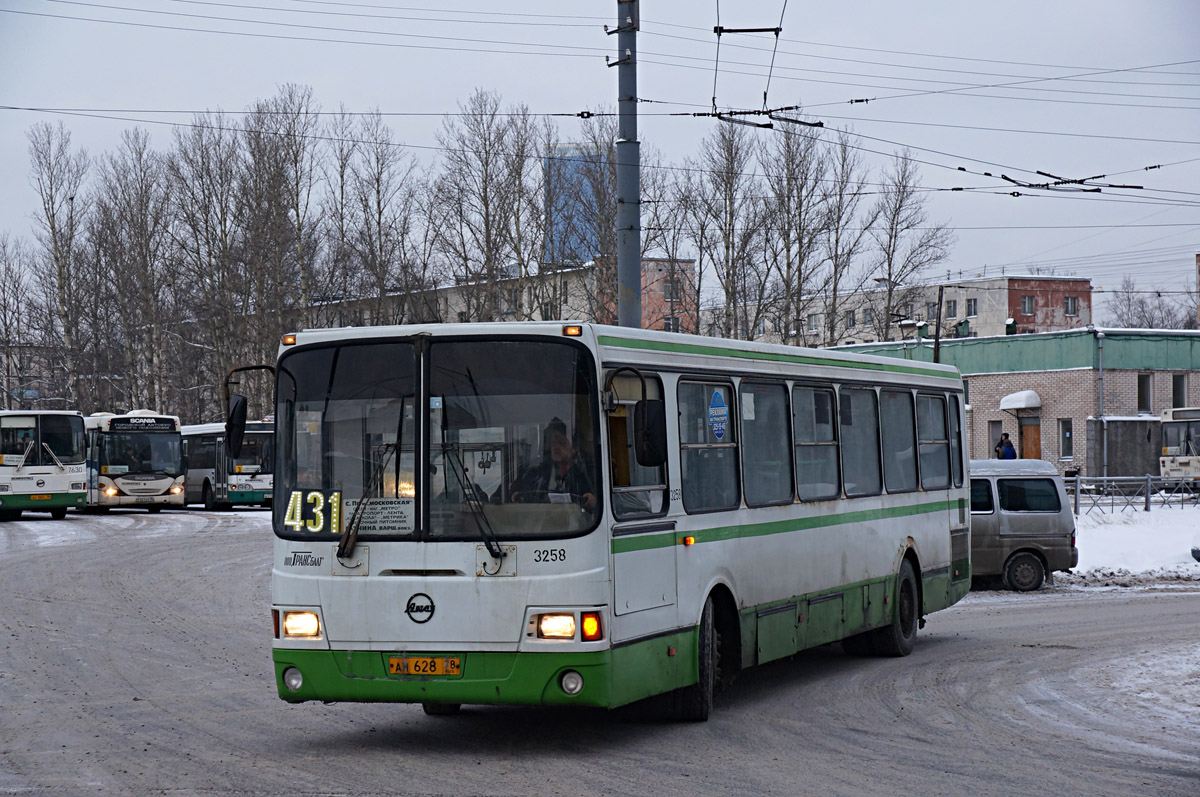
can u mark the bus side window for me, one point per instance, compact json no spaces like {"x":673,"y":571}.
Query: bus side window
{"x":637,"y":491}
{"x":956,"y":463}
{"x":899,"y":447}
{"x":934,"y":442}
{"x":815,"y":443}
{"x":708,"y":448}
{"x":767,"y":461}
{"x":859,"y":424}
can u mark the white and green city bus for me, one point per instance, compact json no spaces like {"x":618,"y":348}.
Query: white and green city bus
{"x":218,"y":481}
{"x":41,"y":462}
{"x":134,"y":460}
{"x":571,"y":514}
{"x":1180,"y":457}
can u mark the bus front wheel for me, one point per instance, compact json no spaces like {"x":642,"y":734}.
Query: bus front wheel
{"x":58,"y":512}
{"x":210,"y":504}
{"x":695,"y":702}
{"x":898,"y":638}
{"x":441,"y":709}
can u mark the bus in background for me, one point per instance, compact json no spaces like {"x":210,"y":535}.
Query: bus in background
{"x":218,"y":482}
{"x":134,"y":460}
{"x":571,"y":514}
{"x":42,"y":456}
{"x":1180,"y":457}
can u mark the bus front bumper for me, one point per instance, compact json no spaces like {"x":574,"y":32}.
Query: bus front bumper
{"x":498,"y":678}
{"x":35,"y":502}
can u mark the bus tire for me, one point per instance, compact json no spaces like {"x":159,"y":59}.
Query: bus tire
{"x":154,"y":510}
{"x":210,"y":504}
{"x":10,"y":514}
{"x":1024,"y":572}
{"x":899,"y":637}
{"x":58,"y":512}
{"x":441,"y":709}
{"x":694,"y":703}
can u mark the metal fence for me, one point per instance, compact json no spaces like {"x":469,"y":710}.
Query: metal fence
{"x":1132,"y":493}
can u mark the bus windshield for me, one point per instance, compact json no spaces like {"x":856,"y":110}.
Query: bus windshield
{"x":1181,"y":438}
{"x":513,"y":430}
{"x":257,"y":454}
{"x":62,"y":434}
{"x":140,"y":452}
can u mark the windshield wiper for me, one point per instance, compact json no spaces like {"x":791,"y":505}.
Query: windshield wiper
{"x":57,"y":461}
{"x":350,"y":534}
{"x":472,"y":498}
{"x":24,"y":457}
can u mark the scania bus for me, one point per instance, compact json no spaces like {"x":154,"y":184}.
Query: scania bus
{"x":217,"y":481}
{"x":134,"y":460}
{"x":41,"y":462}
{"x":572,"y":514}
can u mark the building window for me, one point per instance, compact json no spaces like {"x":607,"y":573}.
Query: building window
{"x":1066,"y":444}
{"x":1071,"y":305}
{"x":951,"y":308}
{"x":1026,"y":305}
{"x":972,"y":308}
{"x":671,"y":324}
{"x":868,"y":316}
{"x":671,"y":290}
{"x":850,"y":320}
{"x":761,"y":328}
{"x":930,"y":311}
{"x":1179,"y":390}
{"x":1143,"y":396}
{"x":814,"y":323}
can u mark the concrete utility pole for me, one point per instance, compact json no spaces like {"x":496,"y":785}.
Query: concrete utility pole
{"x":629,"y":207}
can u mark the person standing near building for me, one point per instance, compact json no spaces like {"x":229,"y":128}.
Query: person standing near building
{"x":1004,"y":449}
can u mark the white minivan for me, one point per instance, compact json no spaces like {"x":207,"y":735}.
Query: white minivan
{"x":1021,"y":522}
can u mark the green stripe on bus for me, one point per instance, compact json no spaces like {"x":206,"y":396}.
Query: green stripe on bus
{"x":745,"y":354}
{"x":722,"y":533}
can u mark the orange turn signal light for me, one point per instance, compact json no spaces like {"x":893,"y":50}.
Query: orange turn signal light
{"x":289,"y":339}
{"x":590,"y":627}
{"x":573,"y":330}
{"x":688,"y":540}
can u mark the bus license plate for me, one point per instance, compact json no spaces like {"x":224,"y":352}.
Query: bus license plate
{"x":39,"y":498}
{"x":424,"y":665}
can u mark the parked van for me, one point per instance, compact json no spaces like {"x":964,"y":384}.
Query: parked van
{"x":1021,"y":522}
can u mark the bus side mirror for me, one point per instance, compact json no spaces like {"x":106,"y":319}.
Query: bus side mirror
{"x":650,"y":433}
{"x":235,"y":426}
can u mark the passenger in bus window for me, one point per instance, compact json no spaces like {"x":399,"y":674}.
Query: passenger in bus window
{"x":562,"y":478}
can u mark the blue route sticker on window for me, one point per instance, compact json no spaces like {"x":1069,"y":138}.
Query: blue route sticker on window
{"x":718,"y":415}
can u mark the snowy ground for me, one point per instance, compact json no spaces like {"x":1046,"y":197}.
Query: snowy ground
{"x":1129,"y":549}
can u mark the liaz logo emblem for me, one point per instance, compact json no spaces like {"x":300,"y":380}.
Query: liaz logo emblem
{"x":419,"y":608}
{"x":41,"y":482}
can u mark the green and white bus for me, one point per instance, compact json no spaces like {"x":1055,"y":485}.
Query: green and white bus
{"x":572,"y":514}
{"x":134,"y":461}
{"x":218,"y":481}
{"x":42,"y":455}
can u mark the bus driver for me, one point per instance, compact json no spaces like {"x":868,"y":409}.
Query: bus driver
{"x":562,"y":479}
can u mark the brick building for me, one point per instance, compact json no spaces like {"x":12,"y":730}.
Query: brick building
{"x":1086,"y":400}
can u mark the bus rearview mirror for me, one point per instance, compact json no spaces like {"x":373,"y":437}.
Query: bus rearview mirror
{"x":650,"y":433}
{"x":235,"y":426}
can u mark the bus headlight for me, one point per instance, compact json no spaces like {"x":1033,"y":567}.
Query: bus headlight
{"x":111,"y":491}
{"x":556,"y":626}
{"x":177,"y":489}
{"x":301,"y":624}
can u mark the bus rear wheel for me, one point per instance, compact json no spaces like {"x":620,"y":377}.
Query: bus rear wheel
{"x":210,"y":504}
{"x":899,"y":638}
{"x":694,"y":703}
{"x":441,"y":709}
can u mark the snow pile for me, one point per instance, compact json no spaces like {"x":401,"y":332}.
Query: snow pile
{"x":1135,"y":548}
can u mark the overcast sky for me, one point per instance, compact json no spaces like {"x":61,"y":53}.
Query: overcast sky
{"x":1073,"y":88}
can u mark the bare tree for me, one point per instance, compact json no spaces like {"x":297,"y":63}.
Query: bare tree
{"x":730,"y":213}
{"x":58,"y":176}
{"x":16,"y":308}
{"x":794,"y":166}
{"x":845,"y":234}
{"x":1133,"y":308}
{"x":906,"y":244}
